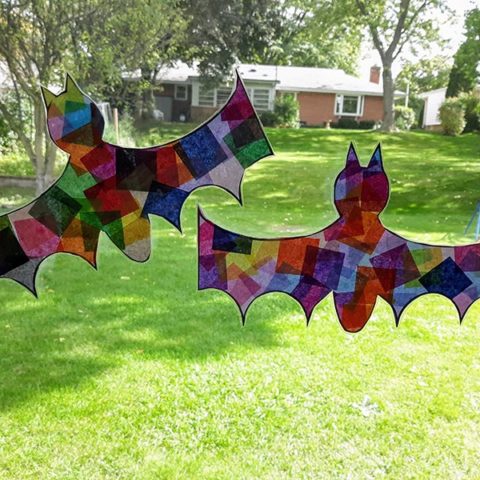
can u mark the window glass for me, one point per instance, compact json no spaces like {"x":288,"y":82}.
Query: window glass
{"x":222,"y":95}
{"x":261,"y":98}
{"x":350,"y":104}
{"x":206,"y":98}
{"x":181,"y":92}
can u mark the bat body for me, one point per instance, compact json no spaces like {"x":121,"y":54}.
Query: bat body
{"x":111,"y":189}
{"x":355,"y":257}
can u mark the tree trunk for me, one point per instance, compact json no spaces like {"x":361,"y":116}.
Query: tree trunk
{"x":388,"y":124}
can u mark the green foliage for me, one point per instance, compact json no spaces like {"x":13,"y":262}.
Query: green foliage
{"x":465,"y":71}
{"x":287,"y":111}
{"x":346,"y":122}
{"x":394,"y":26}
{"x":452,"y":116}
{"x":269,"y":119}
{"x":366,"y":124}
{"x":471,"y":104}
{"x":7,"y":138}
{"x":350,"y":123}
{"x":126,"y":131}
{"x":290,"y":32}
{"x":285,"y":114}
{"x":129,"y":372}
{"x":421,"y":76}
{"x":404,"y":117}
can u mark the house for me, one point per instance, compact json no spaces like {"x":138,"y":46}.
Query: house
{"x":324,"y":94}
{"x":433,"y":100}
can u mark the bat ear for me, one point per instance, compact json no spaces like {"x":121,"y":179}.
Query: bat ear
{"x":352,"y":158}
{"x":48,"y":96}
{"x":376,"y":162}
{"x":71,"y":86}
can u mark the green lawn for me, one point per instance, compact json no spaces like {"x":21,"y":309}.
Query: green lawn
{"x":130,"y":373}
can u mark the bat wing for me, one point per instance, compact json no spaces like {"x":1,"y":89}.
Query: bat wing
{"x":55,"y":222}
{"x":247,"y":268}
{"x":106,"y":188}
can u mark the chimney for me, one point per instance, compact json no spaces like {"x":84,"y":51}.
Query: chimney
{"x":375,"y":74}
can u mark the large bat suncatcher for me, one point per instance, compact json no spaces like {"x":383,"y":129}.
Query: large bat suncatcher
{"x":112,"y":189}
{"x":356,"y":258}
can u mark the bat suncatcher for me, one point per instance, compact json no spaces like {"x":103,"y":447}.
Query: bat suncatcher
{"x":355,"y":257}
{"x":111,"y":189}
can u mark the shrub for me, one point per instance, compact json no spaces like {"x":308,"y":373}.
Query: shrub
{"x":471,"y":104}
{"x":126,"y":131}
{"x":452,"y":116}
{"x":286,"y":109}
{"x":347,"y":122}
{"x":404,"y":117}
{"x":285,"y":113}
{"x":366,"y":124}
{"x":269,"y":119}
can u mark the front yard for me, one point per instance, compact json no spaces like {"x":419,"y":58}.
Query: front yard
{"x":129,"y":372}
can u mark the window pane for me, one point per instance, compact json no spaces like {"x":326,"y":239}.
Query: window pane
{"x":206,"y":98}
{"x":180,"y":92}
{"x":261,"y":97}
{"x":222,"y":95}
{"x":350,"y":104}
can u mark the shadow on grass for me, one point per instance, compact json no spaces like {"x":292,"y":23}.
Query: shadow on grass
{"x":88,"y":322}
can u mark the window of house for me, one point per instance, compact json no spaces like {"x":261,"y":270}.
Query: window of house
{"x":206,"y":98}
{"x":181,"y":92}
{"x":349,"y":105}
{"x":261,"y":98}
{"x":223,"y":94}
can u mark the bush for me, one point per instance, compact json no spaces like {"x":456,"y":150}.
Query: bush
{"x":126,"y":131}
{"x":285,"y":113}
{"x":366,"y":124}
{"x":452,"y":116}
{"x":269,"y":119}
{"x":471,"y":104}
{"x":347,"y":122}
{"x":404,"y":117}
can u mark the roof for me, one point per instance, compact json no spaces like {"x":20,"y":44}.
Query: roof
{"x":438,"y":91}
{"x":288,"y":78}
{"x":309,"y":79}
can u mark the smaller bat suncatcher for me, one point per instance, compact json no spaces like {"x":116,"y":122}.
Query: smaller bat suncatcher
{"x":355,"y":257}
{"x":111,"y":189}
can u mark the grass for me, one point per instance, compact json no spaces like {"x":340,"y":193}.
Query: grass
{"x":130,"y":373}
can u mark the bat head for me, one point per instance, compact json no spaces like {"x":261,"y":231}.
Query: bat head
{"x":361,"y":189}
{"x":73,"y":119}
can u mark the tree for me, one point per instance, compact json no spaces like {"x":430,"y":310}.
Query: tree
{"x":465,"y":71}
{"x":422,"y":76}
{"x":36,"y":41}
{"x":315,"y":33}
{"x":393,"y":24}
{"x":287,"y":32}
{"x":41,"y":40}
{"x":144,"y":36}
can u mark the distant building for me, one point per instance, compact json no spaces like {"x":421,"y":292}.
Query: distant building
{"x":431,"y":113}
{"x":433,"y":100}
{"x":324,"y":95}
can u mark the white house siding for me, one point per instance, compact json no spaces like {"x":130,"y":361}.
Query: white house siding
{"x":433,"y":101}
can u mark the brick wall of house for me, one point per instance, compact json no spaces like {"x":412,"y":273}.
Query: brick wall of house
{"x":316,"y":108}
{"x":372,"y":108}
{"x":319,"y":108}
